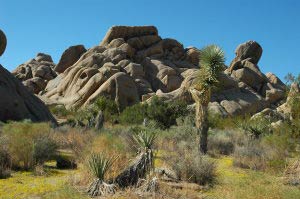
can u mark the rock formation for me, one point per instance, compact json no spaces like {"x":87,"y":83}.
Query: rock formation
{"x":16,"y":102}
{"x":36,"y":72}
{"x":133,"y":64}
{"x":69,"y":57}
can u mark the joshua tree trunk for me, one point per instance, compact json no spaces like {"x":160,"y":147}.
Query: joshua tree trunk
{"x":201,"y":117}
{"x":201,"y":122}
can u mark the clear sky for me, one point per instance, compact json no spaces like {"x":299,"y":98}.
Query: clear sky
{"x":51,"y":26}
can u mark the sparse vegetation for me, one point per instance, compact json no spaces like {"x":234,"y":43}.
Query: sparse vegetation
{"x":29,"y":144}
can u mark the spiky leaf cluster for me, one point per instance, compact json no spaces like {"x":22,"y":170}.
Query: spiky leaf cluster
{"x":99,"y":164}
{"x":212,"y":60}
{"x":145,"y":139}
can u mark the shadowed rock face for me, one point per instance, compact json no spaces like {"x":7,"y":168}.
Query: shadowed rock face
{"x":2,"y":42}
{"x":133,"y":64}
{"x":16,"y":102}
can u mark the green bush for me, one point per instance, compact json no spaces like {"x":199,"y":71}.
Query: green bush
{"x":166,"y":113}
{"x":106,"y":105}
{"x":87,"y":116}
{"x":134,"y":114}
{"x":28,"y":143}
{"x":255,"y":128}
{"x":60,"y":111}
{"x":218,"y":122}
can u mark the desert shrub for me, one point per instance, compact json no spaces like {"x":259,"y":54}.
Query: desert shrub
{"x":255,"y":128}
{"x":60,"y":111}
{"x":87,"y":116}
{"x":220,"y":142}
{"x":28,"y":143}
{"x":270,"y":153}
{"x":294,"y":103}
{"x":166,"y":113}
{"x":218,"y":122}
{"x":186,"y":120}
{"x":108,"y":107}
{"x":44,"y":148}
{"x":74,"y":139}
{"x":250,"y":156}
{"x":134,"y":114}
{"x":278,"y":149}
{"x":5,"y":159}
{"x":190,"y":166}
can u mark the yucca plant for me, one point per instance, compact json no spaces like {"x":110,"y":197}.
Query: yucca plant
{"x":145,"y":140}
{"x":212,"y":61}
{"x":144,"y":162}
{"x":98,"y":165}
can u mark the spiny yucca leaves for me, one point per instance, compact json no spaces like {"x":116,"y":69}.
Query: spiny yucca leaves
{"x":145,"y":139}
{"x":212,"y":59}
{"x":99,"y":164}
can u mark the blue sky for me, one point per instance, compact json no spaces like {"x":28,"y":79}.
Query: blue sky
{"x":51,"y":26}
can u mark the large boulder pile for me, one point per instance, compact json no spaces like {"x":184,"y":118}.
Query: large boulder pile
{"x":256,"y":90}
{"x":16,"y":102}
{"x":133,"y":64}
{"x":36,"y":72}
{"x":129,"y":64}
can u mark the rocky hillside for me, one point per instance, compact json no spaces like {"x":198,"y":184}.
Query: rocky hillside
{"x":133,"y":64}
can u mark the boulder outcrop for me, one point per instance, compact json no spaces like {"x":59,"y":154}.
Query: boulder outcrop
{"x":133,"y":64}
{"x":69,"y":57}
{"x":36,"y":73}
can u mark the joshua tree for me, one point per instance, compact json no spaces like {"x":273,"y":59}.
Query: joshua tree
{"x":99,"y":165}
{"x":2,"y":42}
{"x":212,"y":63}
